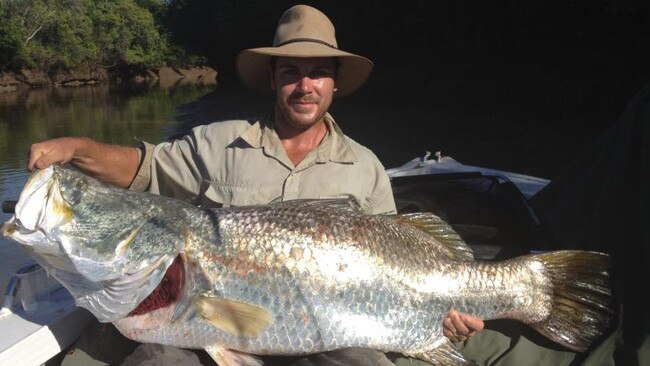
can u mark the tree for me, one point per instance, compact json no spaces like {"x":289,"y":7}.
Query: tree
{"x":12,"y":50}
{"x":127,"y":35}
{"x":66,"y":34}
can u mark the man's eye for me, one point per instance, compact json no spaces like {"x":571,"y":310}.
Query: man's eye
{"x":321,"y":73}
{"x":290,"y":72}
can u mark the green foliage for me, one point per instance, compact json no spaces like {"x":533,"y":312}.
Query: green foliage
{"x":66,"y":34}
{"x":12,"y":51}
{"x":128,"y":35}
{"x":157,"y":8}
{"x":67,"y":41}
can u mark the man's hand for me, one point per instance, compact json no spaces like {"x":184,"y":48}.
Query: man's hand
{"x":459,"y":327}
{"x":113,"y":164}
{"x":46,"y":153}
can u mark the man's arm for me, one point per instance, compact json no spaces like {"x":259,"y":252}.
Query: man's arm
{"x":113,"y":164}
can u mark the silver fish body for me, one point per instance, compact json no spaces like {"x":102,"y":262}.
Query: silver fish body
{"x":294,"y":277}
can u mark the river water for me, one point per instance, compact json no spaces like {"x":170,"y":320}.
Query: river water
{"x":109,"y":114}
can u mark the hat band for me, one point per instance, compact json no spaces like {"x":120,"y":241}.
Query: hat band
{"x":314,"y":40}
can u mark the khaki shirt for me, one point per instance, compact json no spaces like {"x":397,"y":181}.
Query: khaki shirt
{"x":232,"y":163}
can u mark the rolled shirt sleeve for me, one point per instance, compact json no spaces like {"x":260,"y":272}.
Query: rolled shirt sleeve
{"x":142,"y":178}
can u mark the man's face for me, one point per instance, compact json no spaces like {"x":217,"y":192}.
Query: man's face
{"x":304,"y":88}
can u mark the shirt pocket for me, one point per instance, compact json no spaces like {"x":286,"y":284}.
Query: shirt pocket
{"x":220,"y":194}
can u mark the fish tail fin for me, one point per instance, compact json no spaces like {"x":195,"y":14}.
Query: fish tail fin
{"x":582,"y":300}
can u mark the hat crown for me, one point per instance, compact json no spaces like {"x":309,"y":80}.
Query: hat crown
{"x":302,"y":31}
{"x":302,"y":23}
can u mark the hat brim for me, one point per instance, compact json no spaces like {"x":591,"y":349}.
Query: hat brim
{"x":253,"y":65}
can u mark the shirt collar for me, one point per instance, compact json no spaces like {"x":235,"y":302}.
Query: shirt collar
{"x":339,"y":149}
{"x":334,"y":147}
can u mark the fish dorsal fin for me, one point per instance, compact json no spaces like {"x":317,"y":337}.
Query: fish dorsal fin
{"x":441,"y":231}
{"x":235,"y":317}
{"x":347,"y":204}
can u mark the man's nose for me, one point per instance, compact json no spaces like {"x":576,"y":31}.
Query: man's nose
{"x":304,"y":84}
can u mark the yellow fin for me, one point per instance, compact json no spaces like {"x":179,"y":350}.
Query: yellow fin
{"x":441,"y":231}
{"x":227,"y":357}
{"x":445,"y":353}
{"x":235,"y":317}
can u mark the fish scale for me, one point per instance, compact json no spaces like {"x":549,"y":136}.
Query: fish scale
{"x":293,"y":277}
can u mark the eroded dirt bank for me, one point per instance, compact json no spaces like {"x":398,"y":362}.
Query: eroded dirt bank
{"x":164,"y":76}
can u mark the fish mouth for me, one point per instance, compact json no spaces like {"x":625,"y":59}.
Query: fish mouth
{"x":26,"y":225}
{"x":33,"y":201}
{"x":9,"y":227}
{"x":15,"y":230}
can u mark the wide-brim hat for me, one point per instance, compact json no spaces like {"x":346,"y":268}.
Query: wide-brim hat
{"x":303,"y":31}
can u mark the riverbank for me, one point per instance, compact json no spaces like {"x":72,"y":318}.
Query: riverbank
{"x":165,"y":77}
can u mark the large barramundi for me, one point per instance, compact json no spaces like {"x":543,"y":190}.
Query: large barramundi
{"x":294,"y":277}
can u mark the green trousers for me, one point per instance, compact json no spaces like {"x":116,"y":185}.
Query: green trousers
{"x":494,"y":348}
{"x":512,"y":345}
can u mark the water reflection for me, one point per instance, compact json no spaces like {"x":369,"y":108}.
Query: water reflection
{"x":102,"y":112}
{"x":113,"y":115}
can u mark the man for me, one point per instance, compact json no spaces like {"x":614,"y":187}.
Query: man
{"x":299,"y":152}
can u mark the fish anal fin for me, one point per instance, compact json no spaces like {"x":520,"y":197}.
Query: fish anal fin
{"x":445,"y":354}
{"x":439,"y":230}
{"x":235,"y":317}
{"x":227,"y":357}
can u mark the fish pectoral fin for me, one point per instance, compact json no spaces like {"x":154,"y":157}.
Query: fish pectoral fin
{"x":445,"y":354}
{"x":235,"y":317}
{"x":227,"y":357}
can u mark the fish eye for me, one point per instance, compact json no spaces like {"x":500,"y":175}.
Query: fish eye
{"x":80,"y":184}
